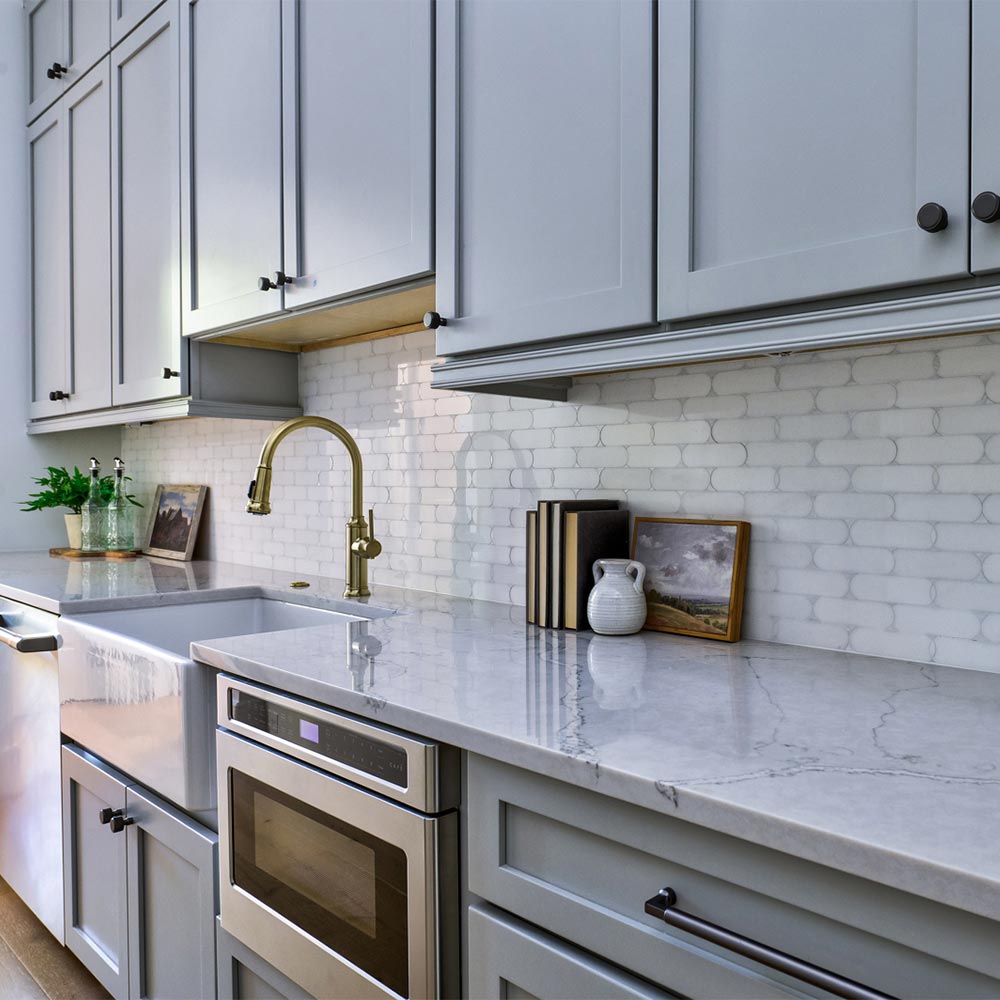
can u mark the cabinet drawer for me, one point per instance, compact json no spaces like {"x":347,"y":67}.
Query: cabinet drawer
{"x":582,"y":865}
{"x":244,"y":975}
{"x":508,"y":960}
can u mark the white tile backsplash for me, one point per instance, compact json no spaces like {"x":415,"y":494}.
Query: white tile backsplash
{"x":869,"y":477}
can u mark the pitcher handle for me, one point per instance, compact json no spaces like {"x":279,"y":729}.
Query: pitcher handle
{"x":598,"y":570}
{"x":640,"y":575}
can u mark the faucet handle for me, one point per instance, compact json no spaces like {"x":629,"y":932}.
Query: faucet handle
{"x":368,"y":547}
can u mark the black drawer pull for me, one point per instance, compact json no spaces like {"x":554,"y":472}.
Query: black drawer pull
{"x":662,"y":905}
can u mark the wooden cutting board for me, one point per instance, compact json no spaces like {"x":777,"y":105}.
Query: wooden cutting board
{"x":80,"y":554}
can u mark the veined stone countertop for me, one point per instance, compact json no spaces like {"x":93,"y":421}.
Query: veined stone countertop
{"x":885,"y":769}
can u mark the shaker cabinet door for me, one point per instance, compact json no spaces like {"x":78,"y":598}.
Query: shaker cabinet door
{"x":358,"y":81}
{"x":985,"y":193}
{"x":87,"y":110}
{"x":545,"y":194}
{"x":797,"y":143}
{"x":94,"y":870}
{"x":46,"y":37}
{"x":231,"y":161}
{"x":171,"y":900}
{"x":145,"y":211}
{"x":48,"y":255}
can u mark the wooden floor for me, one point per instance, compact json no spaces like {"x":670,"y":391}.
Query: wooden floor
{"x":33,"y":965}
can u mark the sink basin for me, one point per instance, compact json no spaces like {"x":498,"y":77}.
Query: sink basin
{"x":130,"y":693}
{"x":174,"y":627}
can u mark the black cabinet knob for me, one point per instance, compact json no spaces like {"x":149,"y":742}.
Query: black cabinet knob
{"x":932,"y":217}
{"x":986,"y":206}
{"x":170,"y":373}
{"x":280,"y":278}
{"x":57,"y":395}
{"x":55,"y":71}
{"x":107,"y":814}
{"x":119,"y":822}
{"x":265,"y":284}
{"x":433,"y":320}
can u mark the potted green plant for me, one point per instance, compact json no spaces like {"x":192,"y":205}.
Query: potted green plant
{"x":61,"y":488}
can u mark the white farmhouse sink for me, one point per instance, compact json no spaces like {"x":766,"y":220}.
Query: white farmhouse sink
{"x":130,"y":693}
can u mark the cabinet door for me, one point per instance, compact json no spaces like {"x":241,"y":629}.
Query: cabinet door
{"x":231,"y":156}
{"x":46,"y":38}
{"x":509,"y":959}
{"x":358,"y":145}
{"x":985,"y":133}
{"x":797,"y":143}
{"x":94,"y":870}
{"x":244,"y":975}
{"x":48,"y":254}
{"x":129,"y":14}
{"x":88,"y":133}
{"x":89,"y":35}
{"x":545,"y":200}
{"x":171,"y":901}
{"x":145,"y":211}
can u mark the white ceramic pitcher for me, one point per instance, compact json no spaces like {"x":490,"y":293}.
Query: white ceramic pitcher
{"x":617,"y":604}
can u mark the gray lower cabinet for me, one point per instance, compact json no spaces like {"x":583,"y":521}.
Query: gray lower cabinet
{"x":798,"y":142}
{"x":64,"y":39}
{"x":244,"y":975}
{"x":510,"y":960}
{"x":545,"y":188}
{"x":582,"y":866}
{"x":140,"y":898}
{"x":145,"y":211}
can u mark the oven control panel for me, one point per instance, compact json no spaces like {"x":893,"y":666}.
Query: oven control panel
{"x":337,"y":743}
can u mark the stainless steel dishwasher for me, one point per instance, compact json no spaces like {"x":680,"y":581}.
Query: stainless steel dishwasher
{"x":30,"y":783}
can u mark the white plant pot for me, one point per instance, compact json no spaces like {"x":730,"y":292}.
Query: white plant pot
{"x":74,"y":529}
{"x":617,"y":604}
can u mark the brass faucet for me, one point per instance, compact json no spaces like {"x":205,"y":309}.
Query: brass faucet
{"x":361,"y":546}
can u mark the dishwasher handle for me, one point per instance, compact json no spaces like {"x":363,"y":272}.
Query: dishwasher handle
{"x":30,"y":643}
{"x":662,"y":905}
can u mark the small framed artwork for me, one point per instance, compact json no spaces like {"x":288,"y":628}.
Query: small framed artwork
{"x":173,"y":525}
{"x":695,"y":574}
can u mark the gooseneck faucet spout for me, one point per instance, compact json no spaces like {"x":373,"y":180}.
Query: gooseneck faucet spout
{"x":362,"y":544}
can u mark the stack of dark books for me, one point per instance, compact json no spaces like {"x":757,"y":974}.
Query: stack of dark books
{"x":564,"y":538}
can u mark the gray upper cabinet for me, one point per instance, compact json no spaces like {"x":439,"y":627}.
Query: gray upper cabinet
{"x":69,"y":247}
{"x":545,"y":190}
{"x":88,"y":135}
{"x":64,"y":39}
{"x":48,"y":294}
{"x":985,"y":137}
{"x":797,"y":143}
{"x":358,"y":85}
{"x":145,"y":210}
{"x":128,"y":14}
{"x":231,"y":157}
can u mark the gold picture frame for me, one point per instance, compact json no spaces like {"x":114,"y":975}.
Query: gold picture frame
{"x":688,"y":570}
{"x":174,"y":521}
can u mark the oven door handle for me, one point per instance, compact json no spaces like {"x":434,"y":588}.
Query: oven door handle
{"x":30,"y":643}
{"x":662,"y":905}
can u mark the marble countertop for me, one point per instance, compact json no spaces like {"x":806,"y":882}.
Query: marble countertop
{"x":884,"y":769}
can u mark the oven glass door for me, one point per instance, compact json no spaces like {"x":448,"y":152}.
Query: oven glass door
{"x":341,"y":885}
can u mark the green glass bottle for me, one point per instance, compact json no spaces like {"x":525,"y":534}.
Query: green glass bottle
{"x":94,"y":523}
{"x":120,"y":519}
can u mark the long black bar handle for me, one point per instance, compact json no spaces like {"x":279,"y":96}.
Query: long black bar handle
{"x":663,"y":905}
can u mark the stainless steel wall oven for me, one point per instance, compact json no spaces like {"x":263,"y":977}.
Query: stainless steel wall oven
{"x":338,"y":847}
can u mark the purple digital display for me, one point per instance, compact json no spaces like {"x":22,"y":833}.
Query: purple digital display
{"x":309,"y":731}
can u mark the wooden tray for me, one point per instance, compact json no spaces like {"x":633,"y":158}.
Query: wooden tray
{"x":80,"y":554}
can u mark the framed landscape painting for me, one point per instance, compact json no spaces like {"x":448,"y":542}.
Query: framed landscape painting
{"x":695,"y":573}
{"x":173,"y":524}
